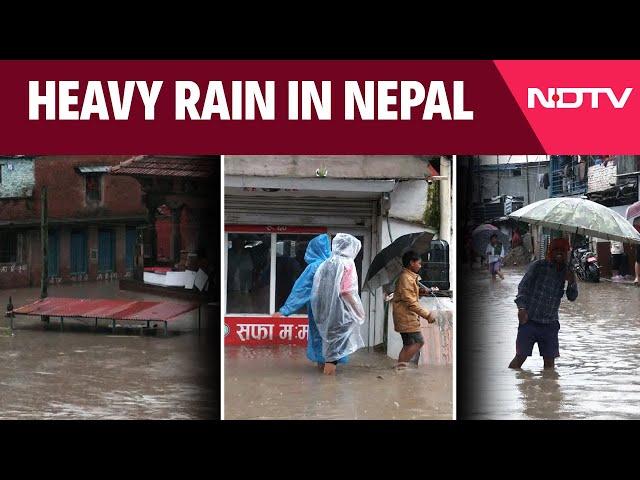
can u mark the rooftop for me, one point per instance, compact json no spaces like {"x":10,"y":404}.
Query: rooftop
{"x":168,"y":166}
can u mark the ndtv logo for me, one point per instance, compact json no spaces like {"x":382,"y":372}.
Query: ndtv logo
{"x":574,"y":97}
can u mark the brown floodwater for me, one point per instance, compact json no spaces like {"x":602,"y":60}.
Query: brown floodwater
{"x":280,"y":383}
{"x":597,"y":375}
{"x":85,"y":374}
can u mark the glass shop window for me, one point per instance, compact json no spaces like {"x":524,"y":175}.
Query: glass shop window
{"x":248,"y":272}
{"x":290,"y":251}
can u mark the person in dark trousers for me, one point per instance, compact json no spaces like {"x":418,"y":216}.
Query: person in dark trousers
{"x":407,"y":310}
{"x":539,"y":294}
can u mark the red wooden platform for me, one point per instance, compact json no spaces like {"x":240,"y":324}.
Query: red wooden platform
{"x":109,"y":309}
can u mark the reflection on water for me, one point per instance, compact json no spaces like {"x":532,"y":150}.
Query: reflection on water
{"x":280,"y":383}
{"x":540,"y":393}
{"x":597,"y":375}
{"x":82,"y":374}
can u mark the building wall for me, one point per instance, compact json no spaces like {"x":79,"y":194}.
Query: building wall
{"x":409,"y":201}
{"x":489,"y":184}
{"x":121,"y":196}
{"x":337,"y":166}
{"x":34,"y":266}
{"x":67,"y":210}
{"x":14,"y":275}
{"x":601,"y":178}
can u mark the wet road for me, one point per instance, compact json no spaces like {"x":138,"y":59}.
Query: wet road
{"x":280,"y":383}
{"x":597,"y":375}
{"x":82,"y":374}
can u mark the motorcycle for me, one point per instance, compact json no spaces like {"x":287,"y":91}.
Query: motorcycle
{"x":585,"y":263}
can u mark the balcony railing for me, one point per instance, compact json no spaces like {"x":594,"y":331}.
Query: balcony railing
{"x":568,"y":175}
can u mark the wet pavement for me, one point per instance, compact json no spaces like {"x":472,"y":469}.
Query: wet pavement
{"x":597,"y":375}
{"x":85,"y":374}
{"x":280,"y":383}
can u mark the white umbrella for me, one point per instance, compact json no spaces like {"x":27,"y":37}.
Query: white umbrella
{"x":577,"y":215}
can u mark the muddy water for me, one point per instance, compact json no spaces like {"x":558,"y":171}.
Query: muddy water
{"x":86,"y":374}
{"x":597,"y":375}
{"x":280,"y":383}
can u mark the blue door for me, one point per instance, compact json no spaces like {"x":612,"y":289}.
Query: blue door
{"x":78,"y":252}
{"x":106,"y":250}
{"x":131,"y":247}
{"x":52,"y":253}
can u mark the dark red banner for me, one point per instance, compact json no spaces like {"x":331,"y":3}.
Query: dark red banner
{"x":318,"y":107}
{"x":114,"y":107}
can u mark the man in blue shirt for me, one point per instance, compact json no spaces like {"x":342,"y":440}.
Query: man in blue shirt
{"x":539,"y":294}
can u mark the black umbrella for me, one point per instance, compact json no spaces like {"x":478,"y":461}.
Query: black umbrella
{"x":387,"y":264}
{"x":482,"y":236}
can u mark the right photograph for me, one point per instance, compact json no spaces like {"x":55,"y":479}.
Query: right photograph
{"x":549,"y":270}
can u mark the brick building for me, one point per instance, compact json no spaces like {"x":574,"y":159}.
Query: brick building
{"x":93,"y":219}
{"x":182,"y":201}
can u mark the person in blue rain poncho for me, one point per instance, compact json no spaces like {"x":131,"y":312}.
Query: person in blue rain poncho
{"x":318,"y":250}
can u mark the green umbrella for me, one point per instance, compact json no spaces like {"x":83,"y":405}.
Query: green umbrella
{"x":578,"y":215}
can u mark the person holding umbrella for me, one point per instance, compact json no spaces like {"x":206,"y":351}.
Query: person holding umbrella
{"x":407,"y":310}
{"x":489,"y":241}
{"x":539,"y":294}
{"x":495,"y":254}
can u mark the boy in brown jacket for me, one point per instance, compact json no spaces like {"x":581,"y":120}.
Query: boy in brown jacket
{"x":407,"y":310}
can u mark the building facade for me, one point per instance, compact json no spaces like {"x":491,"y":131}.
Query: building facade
{"x":612,"y":180}
{"x":273,"y":205}
{"x":183,"y":204}
{"x":92,"y":217}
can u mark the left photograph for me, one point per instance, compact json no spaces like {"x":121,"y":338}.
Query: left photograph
{"x":109,"y":270}
{"x":337,"y":288}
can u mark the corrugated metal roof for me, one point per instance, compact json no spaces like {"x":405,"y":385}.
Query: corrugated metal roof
{"x":106,"y":308}
{"x":166,"y":166}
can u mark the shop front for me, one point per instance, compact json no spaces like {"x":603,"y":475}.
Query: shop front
{"x":266,"y":235}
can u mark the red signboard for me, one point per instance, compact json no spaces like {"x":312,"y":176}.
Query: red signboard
{"x":257,"y":331}
{"x":273,"y":229}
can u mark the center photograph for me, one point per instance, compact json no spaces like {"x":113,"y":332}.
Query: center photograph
{"x":339,"y":288}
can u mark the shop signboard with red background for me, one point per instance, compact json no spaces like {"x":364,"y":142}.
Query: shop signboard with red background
{"x":256,"y":331}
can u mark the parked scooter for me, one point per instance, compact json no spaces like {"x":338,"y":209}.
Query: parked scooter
{"x":585,"y":263}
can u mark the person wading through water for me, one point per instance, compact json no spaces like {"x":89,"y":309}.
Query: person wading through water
{"x":318,"y":250}
{"x":407,"y":309}
{"x":495,"y":254}
{"x":335,"y":302}
{"x":539,"y":294}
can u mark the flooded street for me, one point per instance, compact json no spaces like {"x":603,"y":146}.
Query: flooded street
{"x":597,"y":375}
{"x":280,"y":383}
{"x":85,"y":374}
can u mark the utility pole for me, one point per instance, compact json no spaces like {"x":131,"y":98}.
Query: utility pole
{"x":44,"y":241}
